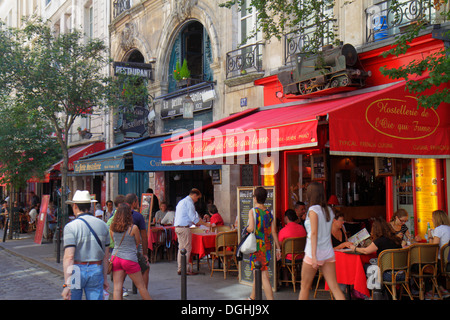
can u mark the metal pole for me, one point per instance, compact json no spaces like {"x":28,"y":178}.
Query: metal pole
{"x":258,"y":281}
{"x":183,"y":274}
{"x":5,"y":229}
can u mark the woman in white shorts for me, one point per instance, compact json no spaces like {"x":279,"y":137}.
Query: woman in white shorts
{"x":319,"y":249}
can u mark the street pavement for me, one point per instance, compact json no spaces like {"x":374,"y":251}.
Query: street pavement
{"x":27,"y":268}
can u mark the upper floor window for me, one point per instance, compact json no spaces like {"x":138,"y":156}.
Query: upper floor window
{"x":248,"y":33}
{"x":386,"y":18}
{"x":194,"y":45}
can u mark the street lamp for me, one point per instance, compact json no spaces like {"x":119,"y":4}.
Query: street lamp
{"x":188,"y":107}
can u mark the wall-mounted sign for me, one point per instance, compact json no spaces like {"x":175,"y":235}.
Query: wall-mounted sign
{"x":134,"y":121}
{"x":143,"y":70}
{"x":173,"y":106}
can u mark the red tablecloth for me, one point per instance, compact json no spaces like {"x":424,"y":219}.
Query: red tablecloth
{"x":202,"y":244}
{"x":350,"y":270}
{"x":154,"y":231}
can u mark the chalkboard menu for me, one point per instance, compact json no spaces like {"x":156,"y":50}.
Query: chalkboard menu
{"x":245,"y":203}
{"x":384,"y":167}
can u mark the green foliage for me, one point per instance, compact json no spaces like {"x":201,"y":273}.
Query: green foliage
{"x":184,"y":72}
{"x":275,"y":18}
{"x":176,"y":72}
{"x":437,"y":65}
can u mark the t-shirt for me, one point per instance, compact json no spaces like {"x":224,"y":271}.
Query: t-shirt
{"x":324,"y":247}
{"x":217,"y":219}
{"x":384,"y":243}
{"x":291,"y":230}
{"x":77,"y":234}
{"x":443,"y":233}
{"x":168,"y":218}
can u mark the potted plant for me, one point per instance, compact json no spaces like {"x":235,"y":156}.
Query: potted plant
{"x":182,"y":74}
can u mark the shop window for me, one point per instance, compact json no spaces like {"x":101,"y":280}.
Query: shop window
{"x":194,"y":45}
{"x":298,"y":170}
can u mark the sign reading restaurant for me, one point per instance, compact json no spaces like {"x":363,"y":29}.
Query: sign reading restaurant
{"x":143,"y":70}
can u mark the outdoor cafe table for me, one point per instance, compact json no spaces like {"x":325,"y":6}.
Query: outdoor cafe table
{"x":350,"y":270}
{"x":202,"y":244}
{"x":154,"y":232}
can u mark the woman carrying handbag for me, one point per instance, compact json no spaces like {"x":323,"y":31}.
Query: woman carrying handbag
{"x":125,"y":261}
{"x":262,"y":222}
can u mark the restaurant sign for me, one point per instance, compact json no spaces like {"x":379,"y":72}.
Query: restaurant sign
{"x":143,"y":70}
{"x":100,"y":165}
{"x":173,"y":106}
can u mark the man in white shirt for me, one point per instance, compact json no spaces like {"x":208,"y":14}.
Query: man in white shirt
{"x":33,"y":213}
{"x":185,"y":217}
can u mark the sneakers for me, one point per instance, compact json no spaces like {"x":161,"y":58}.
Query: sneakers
{"x":124,"y":292}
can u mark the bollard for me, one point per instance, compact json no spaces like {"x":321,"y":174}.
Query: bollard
{"x":258,"y":281}
{"x":183,"y":274}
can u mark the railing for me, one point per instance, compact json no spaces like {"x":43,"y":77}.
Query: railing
{"x":247,"y":59}
{"x":120,"y":6}
{"x":382,"y":21}
{"x":295,"y":42}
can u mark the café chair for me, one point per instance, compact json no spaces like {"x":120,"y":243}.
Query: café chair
{"x":160,"y":236}
{"x":225,"y":252}
{"x":219,"y":229}
{"x":295,"y":247}
{"x":424,"y":265}
{"x":445,"y":265}
{"x":197,"y":230}
{"x":394,"y":271}
{"x":319,"y":278}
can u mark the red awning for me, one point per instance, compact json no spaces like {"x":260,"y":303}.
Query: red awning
{"x":358,"y":125}
{"x":389,"y":123}
{"x":76,"y":153}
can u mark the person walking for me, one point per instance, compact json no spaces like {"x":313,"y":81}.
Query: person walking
{"x":86,"y":252}
{"x":185,"y":217}
{"x":266,"y":234}
{"x":319,"y":251}
{"x":124,"y":258}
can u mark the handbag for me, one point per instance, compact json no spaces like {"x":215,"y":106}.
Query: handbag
{"x":249,"y":244}
{"x":110,"y":264}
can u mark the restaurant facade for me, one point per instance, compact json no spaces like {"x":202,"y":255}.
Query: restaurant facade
{"x":374,"y":149}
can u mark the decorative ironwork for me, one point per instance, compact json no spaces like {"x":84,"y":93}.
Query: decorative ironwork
{"x":295,"y":42}
{"x":121,"y":6}
{"x":247,"y":59}
{"x":384,"y":21}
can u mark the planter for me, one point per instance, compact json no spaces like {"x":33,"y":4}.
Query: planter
{"x":183,"y":83}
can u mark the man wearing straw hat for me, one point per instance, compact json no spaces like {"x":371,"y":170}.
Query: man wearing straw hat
{"x":86,"y":252}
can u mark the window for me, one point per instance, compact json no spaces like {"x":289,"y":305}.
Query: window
{"x":194,"y":45}
{"x":248,"y":25}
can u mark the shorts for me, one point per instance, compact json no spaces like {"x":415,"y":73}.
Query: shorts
{"x":127,"y":265}
{"x":308,"y":260}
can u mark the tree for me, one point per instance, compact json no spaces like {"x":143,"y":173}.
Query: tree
{"x":437,"y":64}
{"x":57,"y":78}
{"x":276,"y":18}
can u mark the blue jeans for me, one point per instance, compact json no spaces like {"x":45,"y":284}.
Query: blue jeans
{"x":87,"y":278}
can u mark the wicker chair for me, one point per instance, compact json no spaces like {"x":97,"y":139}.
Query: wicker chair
{"x":445,"y":265}
{"x":394,"y":270}
{"x":226,"y":244}
{"x":424,"y":265}
{"x":295,"y":247}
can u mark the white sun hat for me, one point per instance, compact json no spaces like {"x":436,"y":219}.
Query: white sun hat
{"x":81,"y":197}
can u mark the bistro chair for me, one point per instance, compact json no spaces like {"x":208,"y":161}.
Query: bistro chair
{"x":319,"y":278}
{"x":394,"y":270}
{"x":424,"y":265}
{"x":219,"y":229}
{"x":160,"y":236}
{"x":225,"y":251}
{"x":295,"y":247}
{"x":445,"y":265}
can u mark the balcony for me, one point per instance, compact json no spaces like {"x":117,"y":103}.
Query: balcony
{"x":383,"y":22}
{"x":244,"y":64}
{"x":120,"y":6}
{"x":297,"y":42}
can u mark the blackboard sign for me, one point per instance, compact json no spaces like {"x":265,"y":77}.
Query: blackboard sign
{"x":245,"y":203}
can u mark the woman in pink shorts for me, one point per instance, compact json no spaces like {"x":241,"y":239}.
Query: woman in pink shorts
{"x":124,"y":256}
{"x":319,"y":252}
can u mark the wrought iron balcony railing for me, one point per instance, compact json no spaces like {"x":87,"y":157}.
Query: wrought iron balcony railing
{"x":120,"y":6}
{"x":245,"y":60}
{"x":384,"y":21}
{"x":295,"y":42}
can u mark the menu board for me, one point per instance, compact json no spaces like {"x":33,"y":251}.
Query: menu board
{"x":245,"y":203}
{"x":147,"y":207}
{"x":41,"y":219}
{"x":426,"y":192}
